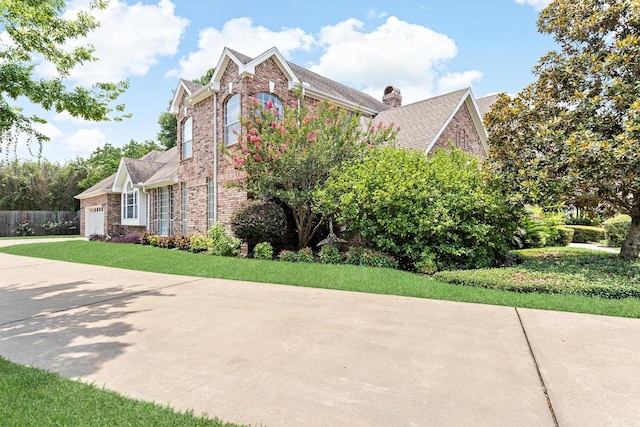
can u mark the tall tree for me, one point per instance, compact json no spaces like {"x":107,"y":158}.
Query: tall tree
{"x":288,"y":155}
{"x":38,"y":34}
{"x":104,"y":160}
{"x":574,"y":133}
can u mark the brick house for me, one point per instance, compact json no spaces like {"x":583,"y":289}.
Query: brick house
{"x":184,"y":190}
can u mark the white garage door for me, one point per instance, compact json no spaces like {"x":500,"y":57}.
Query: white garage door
{"x":94,"y":221}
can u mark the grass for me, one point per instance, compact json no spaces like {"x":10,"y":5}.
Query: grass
{"x":570,"y":271}
{"x":56,"y":236}
{"x":339,"y":277}
{"x":34,"y":397}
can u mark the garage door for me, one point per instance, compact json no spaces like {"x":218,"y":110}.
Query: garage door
{"x":94,"y":221}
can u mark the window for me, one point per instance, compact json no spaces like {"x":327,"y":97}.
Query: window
{"x":461,"y":138}
{"x":185,"y":206}
{"x":130,"y":202}
{"x":265,"y":98}
{"x":231,"y":119}
{"x":163,"y":211}
{"x":187,"y":138}
{"x":210,"y":203}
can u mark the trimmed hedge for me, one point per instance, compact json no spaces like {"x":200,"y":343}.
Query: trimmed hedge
{"x":565,"y":236}
{"x":586,"y":233}
{"x":616,"y":229}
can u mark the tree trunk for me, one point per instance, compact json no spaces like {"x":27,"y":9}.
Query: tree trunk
{"x":631,"y":245}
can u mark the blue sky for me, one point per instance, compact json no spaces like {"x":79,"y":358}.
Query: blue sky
{"x":423,"y":47}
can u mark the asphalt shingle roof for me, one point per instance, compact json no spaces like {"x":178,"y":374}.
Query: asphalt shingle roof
{"x":421,"y":121}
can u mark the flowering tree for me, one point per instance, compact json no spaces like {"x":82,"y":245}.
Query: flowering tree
{"x":286,"y":156}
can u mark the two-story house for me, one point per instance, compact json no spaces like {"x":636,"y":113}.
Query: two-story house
{"x":185,"y":189}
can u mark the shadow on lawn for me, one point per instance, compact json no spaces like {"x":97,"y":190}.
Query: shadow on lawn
{"x":69,"y":328}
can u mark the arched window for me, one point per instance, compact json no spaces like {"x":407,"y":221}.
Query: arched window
{"x":231,"y":119}
{"x":187,"y":138}
{"x":270,"y":100}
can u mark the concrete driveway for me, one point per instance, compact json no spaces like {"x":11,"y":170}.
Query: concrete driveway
{"x":275,"y":355}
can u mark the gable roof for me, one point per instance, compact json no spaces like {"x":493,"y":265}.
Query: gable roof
{"x":156,"y":168}
{"x":485,"y":103}
{"x":313,"y":84}
{"x":422,"y":122}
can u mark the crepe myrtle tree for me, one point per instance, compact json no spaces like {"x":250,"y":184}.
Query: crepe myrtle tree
{"x":574,"y":133}
{"x":37,"y":34}
{"x":286,"y":155}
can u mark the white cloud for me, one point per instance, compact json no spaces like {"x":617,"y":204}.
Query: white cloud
{"x":239,"y":34}
{"x":83,"y":142}
{"x":130,"y":40}
{"x":537,"y":4}
{"x":408,"y":56}
{"x":454,"y":81}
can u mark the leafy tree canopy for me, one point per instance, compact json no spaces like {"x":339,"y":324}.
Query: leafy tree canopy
{"x":288,"y":156}
{"x":574,"y":133}
{"x":38,"y":34}
{"x":104,"y":160}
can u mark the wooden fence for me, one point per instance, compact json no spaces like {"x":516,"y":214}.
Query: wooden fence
{"x":39,"y":223}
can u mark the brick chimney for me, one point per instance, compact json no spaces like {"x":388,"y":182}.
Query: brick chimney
{"x":392,"y":97}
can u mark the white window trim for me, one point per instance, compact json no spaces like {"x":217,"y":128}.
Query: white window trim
{"x":187,"y":142}
{"x":135,"y":192}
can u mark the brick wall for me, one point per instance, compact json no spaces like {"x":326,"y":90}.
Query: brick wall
{"x":112,"y":214}
{"x":462,"y":134}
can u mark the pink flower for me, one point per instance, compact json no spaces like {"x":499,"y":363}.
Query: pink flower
{"x":269,"y":104}
{"x":257,"y":157}
{"x":283,"y":148}
{"x":274,"y":125}
{"x":398,"y":128}
{"x":283,"y":131}
{"x":311,"y":136}
{"x":379,"y":125}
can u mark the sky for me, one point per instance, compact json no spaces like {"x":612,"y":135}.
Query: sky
{"x":423,"y":47}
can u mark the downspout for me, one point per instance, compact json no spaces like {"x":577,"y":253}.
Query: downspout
{"x":215,"y":157}
{"x":146,"y":207}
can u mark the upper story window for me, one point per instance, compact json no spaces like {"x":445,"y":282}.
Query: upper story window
{"x":231,"y":119}
{"x":187,"y":138}
{"x":269,"y":100}
{"x":130,"y":202}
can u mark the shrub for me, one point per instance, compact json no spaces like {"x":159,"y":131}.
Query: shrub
{"x":263,"y":250}
{"x":221,"y":243}
{"x":25,"y":228}
{"x":290,"y":256}
{"x":565,"y":236}
{"x":183,"y":243}
{"x":126,"y":238}
{"x":616,"y":229}
{"x":167,"y":242}
{"x":585,"y":233}
{"x":154,"y":240}
{"x":329,"y":254}
{"x":402,"y":202}
{"x":98,"y":238}
{"x":59,"y":226}
{"x":259,"y":221}
{"x":144,"y":238}
{"x":198,"y":243}
{"x":305,"y":255}
{"x":427,"y":263}
{"x":357,"y":255}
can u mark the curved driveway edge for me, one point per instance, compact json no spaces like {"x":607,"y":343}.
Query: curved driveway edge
{"x":286,"y":356}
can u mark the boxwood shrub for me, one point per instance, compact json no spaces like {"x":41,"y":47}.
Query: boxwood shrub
{"x":616,"y":229}
{"x":586,"y":234}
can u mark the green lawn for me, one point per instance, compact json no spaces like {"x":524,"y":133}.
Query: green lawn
{"x":340,"y":277}
{"x":57,"y":236}
{"x":571,"y":271}
{"x":33,"y":397}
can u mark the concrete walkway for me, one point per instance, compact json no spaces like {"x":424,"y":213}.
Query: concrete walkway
{"x":275,"y":355}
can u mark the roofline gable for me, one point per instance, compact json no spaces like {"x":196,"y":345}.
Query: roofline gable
{"x":178,"y":94}
{"x":121,"y":176}
{"x":468,"y":99}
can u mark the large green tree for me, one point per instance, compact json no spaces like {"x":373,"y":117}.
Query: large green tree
{"x":287,"y":156}
{"x":575,"y":132}
{"x":104,"y":160}
{"x":40,"y":185}
{"x":38,"y":34}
